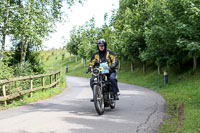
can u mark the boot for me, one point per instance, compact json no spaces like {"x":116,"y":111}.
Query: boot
{"x":92,"y":100}
{"x":116,"y":97}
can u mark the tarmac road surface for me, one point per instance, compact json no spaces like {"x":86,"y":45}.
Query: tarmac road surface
{"x":139,"y":110}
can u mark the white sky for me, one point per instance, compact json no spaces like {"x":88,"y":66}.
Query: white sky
{"x":78,"y":16}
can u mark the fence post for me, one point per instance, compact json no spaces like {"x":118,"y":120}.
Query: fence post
{"x":50,"y":79}
{"x":56,"y":78}
{"x":31,"y":86}
{"x":43,"y":83}
{"x":59,"y":75}
{"x":4,"y":93}
{"x":15,"y":84}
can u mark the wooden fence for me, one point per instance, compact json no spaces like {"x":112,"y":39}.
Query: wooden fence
{"x":8,"y":93}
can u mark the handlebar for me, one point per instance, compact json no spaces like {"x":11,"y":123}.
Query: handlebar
{"x":88,"y":72}
{"x":100,"y":69}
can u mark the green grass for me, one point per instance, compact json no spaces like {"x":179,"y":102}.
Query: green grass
{"x":55,"y":63}
{"x":77,"y":69}
{"x":182,"y":94}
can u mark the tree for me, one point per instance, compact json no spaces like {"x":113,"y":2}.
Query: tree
{"x":30,"y":21}
{"x":83,"y":50}
{"x":34,"y":21}
{"x":187,"y":26}
{"x":129,"y":28}
{"x":159,"y":35}
{"x":83,"y":40}
{"x":6,"y":8}
{"x":75,"y":40}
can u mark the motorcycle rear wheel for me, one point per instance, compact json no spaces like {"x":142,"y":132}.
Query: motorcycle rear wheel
{"x":112,"y":105}
{"x":98,"y":100}
{"x":113,"y":102}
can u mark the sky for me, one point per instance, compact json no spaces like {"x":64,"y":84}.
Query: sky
{"x":77,"y":16}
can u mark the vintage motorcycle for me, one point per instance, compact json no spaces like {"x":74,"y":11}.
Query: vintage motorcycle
{"x":102,"y":90}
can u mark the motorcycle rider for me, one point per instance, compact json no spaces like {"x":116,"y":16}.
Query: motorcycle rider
{"x":105,"y":55}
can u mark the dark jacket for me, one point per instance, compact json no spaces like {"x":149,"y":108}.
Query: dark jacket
{"x":107,"y":56}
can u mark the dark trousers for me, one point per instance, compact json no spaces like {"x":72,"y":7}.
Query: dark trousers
{"x":113,"y":81}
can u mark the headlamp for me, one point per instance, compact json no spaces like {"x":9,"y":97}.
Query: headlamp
{"x":96,"y":71}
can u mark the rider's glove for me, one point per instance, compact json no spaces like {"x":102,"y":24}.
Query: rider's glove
{"x":89,"y":69}
{"x":112,"y":67}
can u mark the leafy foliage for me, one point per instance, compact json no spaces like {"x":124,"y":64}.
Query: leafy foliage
{"x":33,"y":60}
{"x":5,"y":71}
{"x":23,"y":70}
{"x":29,"y":22}
{"x":152,"y":31}
{"x":83,"y":40}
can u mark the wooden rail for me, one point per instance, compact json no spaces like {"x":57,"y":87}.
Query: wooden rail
{"x":30,"y":80}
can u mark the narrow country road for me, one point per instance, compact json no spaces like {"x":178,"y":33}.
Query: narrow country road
{"x":139,"y":110}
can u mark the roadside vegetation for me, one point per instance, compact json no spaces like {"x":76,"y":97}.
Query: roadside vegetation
{"x":55,"y":60}
{"x":50,"y":61}
{"x":27,"y":24}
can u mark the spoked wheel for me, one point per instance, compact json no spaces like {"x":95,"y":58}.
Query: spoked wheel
{"x":98,"y":100}
{"x":112,"y":105}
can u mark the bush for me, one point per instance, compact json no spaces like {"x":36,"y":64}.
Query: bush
{"x":32,"y":56}
{"x":5,"y":71}
{"x":23,"y":70}
{"x":63,"y":56}
{"x":36,"y":65}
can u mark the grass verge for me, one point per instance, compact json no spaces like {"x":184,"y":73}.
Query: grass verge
{"x":37,"y":95}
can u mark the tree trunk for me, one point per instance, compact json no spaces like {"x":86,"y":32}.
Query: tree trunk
{"x":70,"y":57}
{"x":85,"y":63}
{"x":131,"y":66}
{"x":119,"y":65}
{"x":75,"y":58}
{"x":194,"y":63}
{"x":81,"y":60}
{"x":159,"y":70}
{"x":3,"y":46}
{"x":144,"y":67}
{"x":180,"y":65}
{"x":4,"y":33}
{"x":23,"y":51}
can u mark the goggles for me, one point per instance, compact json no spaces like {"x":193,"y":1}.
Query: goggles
{"x":100,"y":42}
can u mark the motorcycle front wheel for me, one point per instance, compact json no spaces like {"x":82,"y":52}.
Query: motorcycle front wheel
{"x":98,"y":100}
